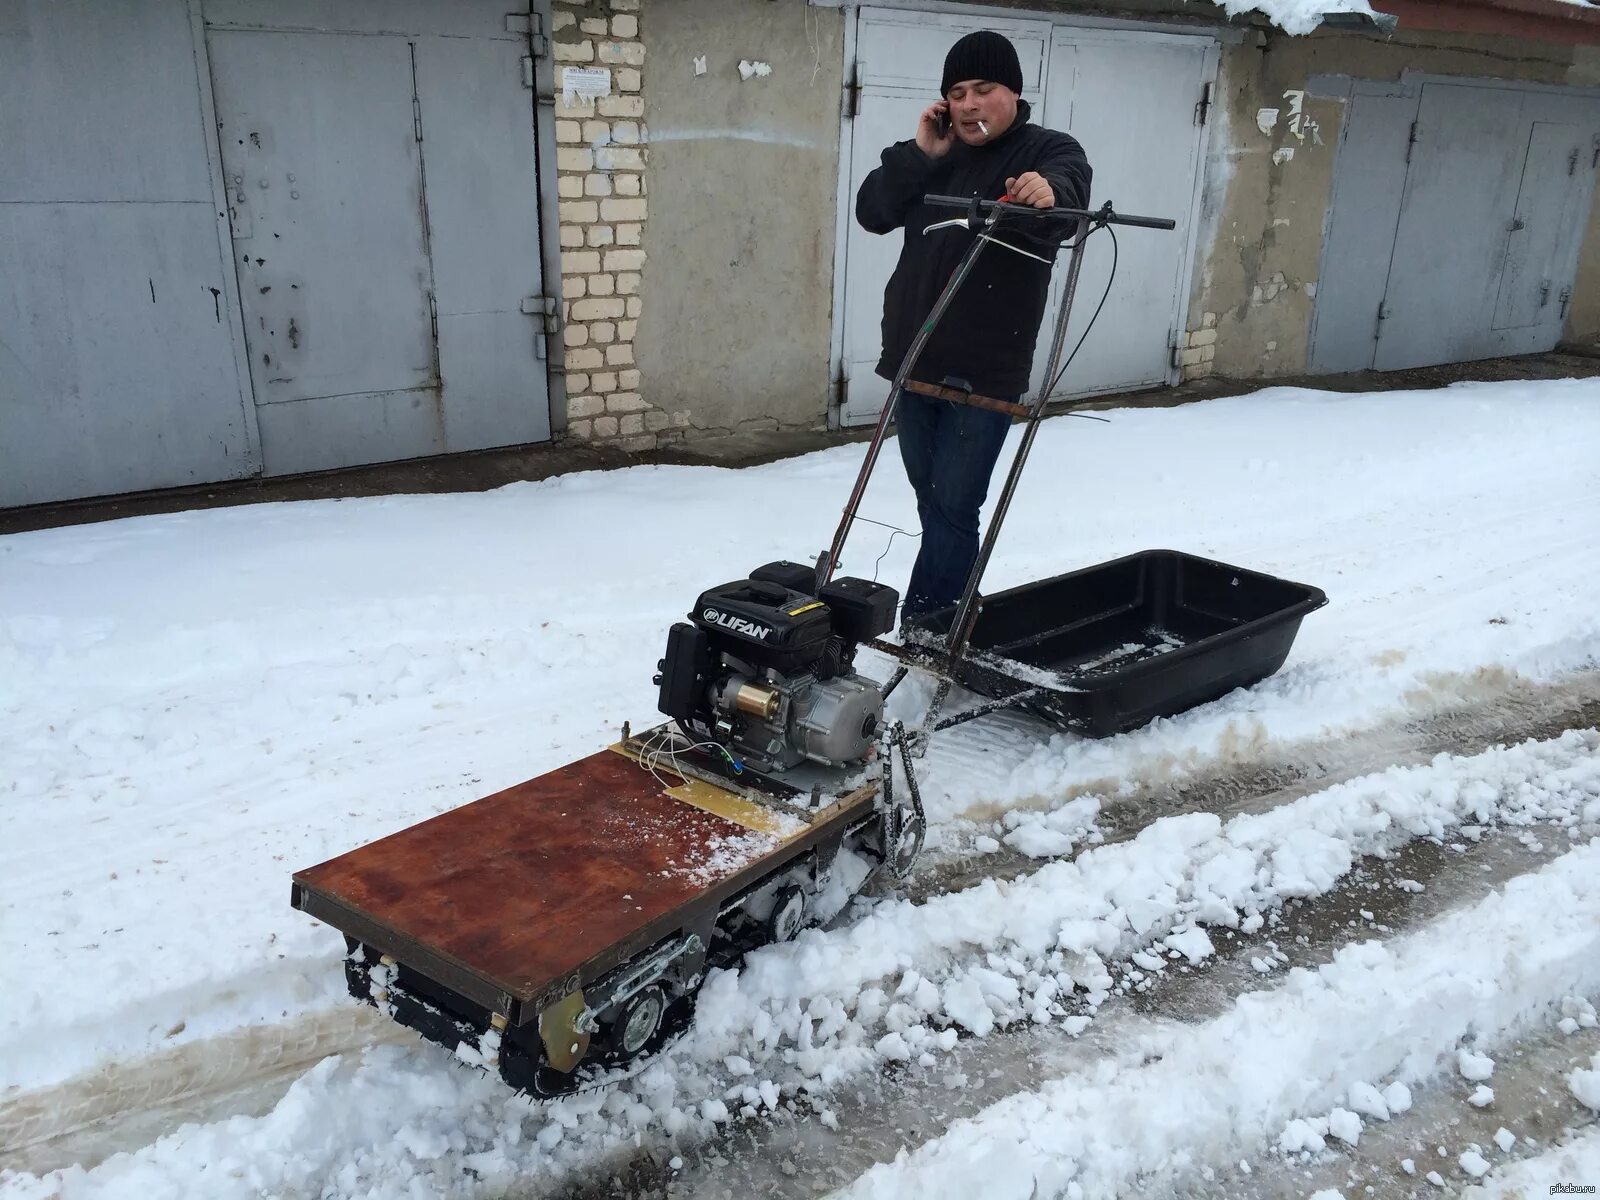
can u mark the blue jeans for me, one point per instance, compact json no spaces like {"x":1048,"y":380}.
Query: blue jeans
{"x":949,"y":451}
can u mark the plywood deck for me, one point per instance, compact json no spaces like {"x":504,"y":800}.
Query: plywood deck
{"x":528,"y":885}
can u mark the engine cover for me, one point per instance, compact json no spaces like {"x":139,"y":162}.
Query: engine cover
{"x":837,"y":722}
{"x":832,"y":722}
{"x":765,"y":624}
{"x":766,"y":669}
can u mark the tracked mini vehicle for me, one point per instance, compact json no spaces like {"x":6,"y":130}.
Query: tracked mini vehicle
{"x":562,"y":927}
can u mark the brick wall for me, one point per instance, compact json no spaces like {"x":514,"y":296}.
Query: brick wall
{"x":1199,"y":350}
{"x":601,"y":158}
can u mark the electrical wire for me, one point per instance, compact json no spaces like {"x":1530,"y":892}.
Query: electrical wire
{"x":661,"y":746}
{"x":1104,"y":296}
{"x":893,"y":530}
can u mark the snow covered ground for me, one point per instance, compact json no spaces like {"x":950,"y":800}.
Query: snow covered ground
{"x":196,"y":705}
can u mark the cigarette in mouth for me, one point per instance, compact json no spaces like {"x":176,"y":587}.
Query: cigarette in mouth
{"x":983,"y":129}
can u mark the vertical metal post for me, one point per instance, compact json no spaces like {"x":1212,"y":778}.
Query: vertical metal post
{"x":966,"y":613}
{"x":827,"y":564}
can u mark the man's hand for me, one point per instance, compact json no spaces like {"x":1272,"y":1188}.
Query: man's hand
{"x":1030,"y":188}
{"x":929,"y":140}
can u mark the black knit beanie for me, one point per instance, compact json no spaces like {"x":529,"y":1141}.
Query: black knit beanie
{"x":982,"y":55}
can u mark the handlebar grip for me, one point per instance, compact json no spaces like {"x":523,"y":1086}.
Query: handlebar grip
{"x":1144,"y":222}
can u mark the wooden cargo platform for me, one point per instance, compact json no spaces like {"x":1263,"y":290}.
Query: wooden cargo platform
{"x":518,"y":898}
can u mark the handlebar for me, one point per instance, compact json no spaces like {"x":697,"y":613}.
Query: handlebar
{"x":1104,"y":215}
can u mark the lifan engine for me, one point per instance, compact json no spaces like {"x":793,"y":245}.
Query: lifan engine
{"x":765,"y":667}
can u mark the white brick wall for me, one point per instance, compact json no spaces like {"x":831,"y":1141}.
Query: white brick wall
{"x":1199,"y":349}
{"x":602,"y":160}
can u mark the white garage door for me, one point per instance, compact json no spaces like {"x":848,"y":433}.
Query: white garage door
{"x":1130,"y":98}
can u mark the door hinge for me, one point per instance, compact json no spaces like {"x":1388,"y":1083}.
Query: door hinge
{"x":852,"y":92}
{"x":433,"y":317}
{"x":546,"y":307}
{"x":1544,"y":293}
{"x":1412,"y":140}
{"x":1174,"y":354}
{"x":1572,"y":162}
{"x":840,"y":388}
{"x":1202,"y":107}
{"x":532,"y":25}
{"x":527,"y":71}
{"x":416,"y":117}
{"x":1383,"y":315}
{"x":1566,"y":296}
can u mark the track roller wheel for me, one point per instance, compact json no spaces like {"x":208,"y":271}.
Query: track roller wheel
{"x":788,"y":914}
{"x":638,"y":1020}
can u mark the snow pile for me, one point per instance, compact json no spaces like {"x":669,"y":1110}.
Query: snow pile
{"x":1053,"y":834}
{"x":1474,"y":1066}
{"x":1577,"y":1163}
{"x":1585,"y":1084}
{"x":1307,"y":1136}
{"x":999,"y":953}
{"x":1576,"y":1013}
{"x":1296,"y":16}
{"x":1375,"y":1010}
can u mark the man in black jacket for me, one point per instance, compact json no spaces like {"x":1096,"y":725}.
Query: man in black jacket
{"x":977,"y":141}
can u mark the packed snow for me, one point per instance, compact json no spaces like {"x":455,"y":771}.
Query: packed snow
{"x":197,"y":705}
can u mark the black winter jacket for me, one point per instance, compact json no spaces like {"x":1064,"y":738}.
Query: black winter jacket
{"x":987,"y":336}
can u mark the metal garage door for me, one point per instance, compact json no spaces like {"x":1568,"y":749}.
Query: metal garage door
{"x":1131,"y":99}
{"x":1121,"y":94}
{"x":343,"y":268}
{"x":382,"y":191}
{"x":117,"y":321}
{"x":1486,"y":189}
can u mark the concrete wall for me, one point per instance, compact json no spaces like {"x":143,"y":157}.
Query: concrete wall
{"x":1264,"y":214}
{"x":1583,"y":318}
{"x":742,"y":179}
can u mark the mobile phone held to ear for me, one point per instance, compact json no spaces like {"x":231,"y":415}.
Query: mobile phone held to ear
{"x":941,"y":122}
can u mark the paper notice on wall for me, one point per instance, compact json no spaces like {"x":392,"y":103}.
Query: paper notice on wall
{"x":1300,"y":123}
{"x":1282,"y":155}
{"x":1266,"y":119}
{"x":584,"y":83}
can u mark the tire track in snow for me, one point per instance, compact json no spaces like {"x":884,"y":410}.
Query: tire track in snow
{"x":1531,"y":1100}
{"x":77,"y":1123}
{"x":1152,"y":790}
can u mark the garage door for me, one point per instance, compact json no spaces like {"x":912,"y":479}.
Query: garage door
{"x":383,"y":203}
{"x":117,"y":363}
{"x":1515,"y":171}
